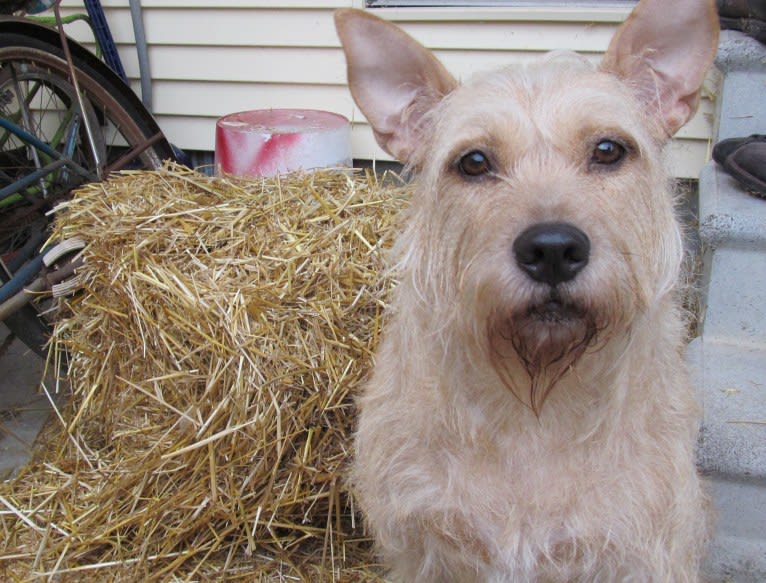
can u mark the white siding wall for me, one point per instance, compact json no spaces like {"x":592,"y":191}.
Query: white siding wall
{"x":210,"y":58}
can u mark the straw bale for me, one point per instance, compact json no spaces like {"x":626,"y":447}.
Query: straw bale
{"x":213,"y":356}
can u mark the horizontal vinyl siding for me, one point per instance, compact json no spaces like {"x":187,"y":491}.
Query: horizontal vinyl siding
{"x":212,"y":58}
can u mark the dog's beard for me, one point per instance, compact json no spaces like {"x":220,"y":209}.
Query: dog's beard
{"x":545,"y":340}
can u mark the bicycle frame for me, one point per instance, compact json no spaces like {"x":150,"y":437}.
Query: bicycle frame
{"x":25,"y":269}
{"x":60,"y":160}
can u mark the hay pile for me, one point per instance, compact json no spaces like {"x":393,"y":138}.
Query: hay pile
{"x":215,"y":350}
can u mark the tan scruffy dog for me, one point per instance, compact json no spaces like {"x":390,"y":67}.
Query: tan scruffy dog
{"x":529,"y":417}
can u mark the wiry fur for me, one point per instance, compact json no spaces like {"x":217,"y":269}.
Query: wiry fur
{"x":500,"y":443}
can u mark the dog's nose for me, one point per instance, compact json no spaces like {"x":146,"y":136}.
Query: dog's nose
{"x":552,"y":253}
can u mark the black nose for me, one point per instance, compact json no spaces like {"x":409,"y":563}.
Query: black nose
{"x":552,"y":252}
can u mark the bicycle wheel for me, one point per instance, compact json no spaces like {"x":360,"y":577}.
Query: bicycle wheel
{"x":107,"y":129}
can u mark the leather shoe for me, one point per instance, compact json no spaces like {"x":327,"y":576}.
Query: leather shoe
{"x":745,"y":160}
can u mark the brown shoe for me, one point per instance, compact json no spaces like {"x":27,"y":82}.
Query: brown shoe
{"x":725,"y":148}
{"x":748,"y":16}
{"x":742,"y":9}
{"x":745,"y":160}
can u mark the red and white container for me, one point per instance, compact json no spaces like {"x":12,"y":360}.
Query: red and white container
{"x":267,"y":142}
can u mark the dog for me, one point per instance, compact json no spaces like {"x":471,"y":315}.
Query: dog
{"x":528,"y":417}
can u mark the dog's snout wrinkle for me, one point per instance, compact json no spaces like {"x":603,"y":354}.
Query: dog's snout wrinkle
{"x":552,"y":253}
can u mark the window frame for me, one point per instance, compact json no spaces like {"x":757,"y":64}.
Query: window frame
{"x":596,"y":11}
{"x":553,"y":4}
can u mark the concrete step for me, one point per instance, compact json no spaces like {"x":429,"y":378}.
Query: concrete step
{"x":728,"y":359}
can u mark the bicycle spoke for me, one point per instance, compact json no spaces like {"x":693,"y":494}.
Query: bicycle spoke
{"x":26,"y":122}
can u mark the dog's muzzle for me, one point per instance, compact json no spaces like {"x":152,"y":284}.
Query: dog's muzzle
{"x":552,"y":253}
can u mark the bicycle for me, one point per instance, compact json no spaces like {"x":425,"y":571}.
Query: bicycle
{"x":65,"y":119}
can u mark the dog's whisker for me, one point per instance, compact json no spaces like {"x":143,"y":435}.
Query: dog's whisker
{"x":502,"y":177}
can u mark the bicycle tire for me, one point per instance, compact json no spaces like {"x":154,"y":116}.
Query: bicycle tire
{"x":36,"y":55}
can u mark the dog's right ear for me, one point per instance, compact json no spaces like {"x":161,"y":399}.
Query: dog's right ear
{"x":394,"y":79}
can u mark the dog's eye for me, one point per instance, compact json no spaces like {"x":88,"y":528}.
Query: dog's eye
{"x":474,"y":163}
{"x":607,"y":152}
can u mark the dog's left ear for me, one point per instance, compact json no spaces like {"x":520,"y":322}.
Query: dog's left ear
{"x":394,"y":80}
{"x":663,"y":50}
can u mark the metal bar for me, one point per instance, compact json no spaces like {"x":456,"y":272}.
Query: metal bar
{"x":23,"y":276}
{"x":22,"y":255}
{"x":76,"y":84}
{"x":29,"y":138}
{"x":135,"y":151}
{"x":37,"y":143}
{"x":136,"y":13}
{"x":22,"y":298}
{"x":29,"y":179}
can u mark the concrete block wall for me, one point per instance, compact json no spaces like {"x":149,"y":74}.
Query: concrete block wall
{"x":728,"y":359}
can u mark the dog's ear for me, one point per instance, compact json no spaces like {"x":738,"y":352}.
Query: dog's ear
{"x":393,"y":78}
{"x":664,"y":50}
